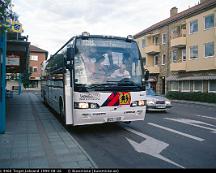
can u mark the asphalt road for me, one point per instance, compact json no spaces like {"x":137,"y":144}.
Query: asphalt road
{"x":184,"y":137}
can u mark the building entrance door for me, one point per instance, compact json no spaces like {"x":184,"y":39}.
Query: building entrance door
{"x":163,"y":85}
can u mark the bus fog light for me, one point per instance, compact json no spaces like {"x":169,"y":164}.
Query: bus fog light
{"x":134,"y":104}
{"x":94,"y":106}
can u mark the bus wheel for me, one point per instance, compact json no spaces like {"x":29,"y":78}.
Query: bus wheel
{"x":127,"y":122}
{"x":61,"y":109}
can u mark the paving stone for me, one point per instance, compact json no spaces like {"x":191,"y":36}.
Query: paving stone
{"x":5,"y":164}
{"x":19,"y":164}
{"x":40,"y":162}
{"x":70,"y":165}
{"x":85,"y":164}
{"x":19,"y":155}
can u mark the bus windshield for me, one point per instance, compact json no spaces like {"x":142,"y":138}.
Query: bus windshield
{"x":101,"y":61}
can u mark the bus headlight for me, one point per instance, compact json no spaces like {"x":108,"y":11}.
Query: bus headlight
{"x":81,"y":105}
{"x":138,"y":103}
{"x":86,"y":105}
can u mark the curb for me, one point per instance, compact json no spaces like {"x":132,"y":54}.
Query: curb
{"x":197,"y":103}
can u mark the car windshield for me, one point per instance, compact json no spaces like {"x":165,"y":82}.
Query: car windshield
{"x":107,"y":61}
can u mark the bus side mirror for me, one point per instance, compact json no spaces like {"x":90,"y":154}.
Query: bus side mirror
{"x":70,"y":53}
{"x":147,"y":75}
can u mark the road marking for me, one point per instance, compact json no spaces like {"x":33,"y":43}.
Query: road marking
{"x":194,"y":123}
{"x":150,"y":146}
{"x":206,"y":117}
{"x":177,"y":132}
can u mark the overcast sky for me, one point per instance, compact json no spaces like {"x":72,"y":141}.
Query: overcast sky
{"x":50,"y":23}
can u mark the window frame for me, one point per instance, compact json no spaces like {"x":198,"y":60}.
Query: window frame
{"x":205,"y":49}
{"x":143,"y":41}
{"x":185,"y":55}
{"x":197,"y":52}
{"x":171,"y":89}
{"x":196,"y":20}
{"x":205,"y":21}
{"x":164,"y":42}
{"x":209,"y":87}
{"x":157,"y":60}
{"x":33,"y":68}
{"x":32,"y":59}
{"x":176,"y":56}
{"x":182,"y":89}
{"x":194,"y":86}
{"x":163,"y":59}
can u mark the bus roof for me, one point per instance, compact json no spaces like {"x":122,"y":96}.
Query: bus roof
{"x":92,"y":36}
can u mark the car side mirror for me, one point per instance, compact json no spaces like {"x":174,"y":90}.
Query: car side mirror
{"x":70,"y":53}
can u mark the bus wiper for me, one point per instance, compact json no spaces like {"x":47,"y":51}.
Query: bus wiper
{"x":127,"y":82}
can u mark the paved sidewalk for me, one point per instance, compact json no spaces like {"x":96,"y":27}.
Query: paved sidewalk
{"x":35,"y":139}
{"x":192,"y":102}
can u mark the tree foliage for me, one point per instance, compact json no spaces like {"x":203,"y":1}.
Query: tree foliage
{"x":25,"y":77}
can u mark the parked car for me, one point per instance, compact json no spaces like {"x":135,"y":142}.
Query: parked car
{"x":157,"y":102}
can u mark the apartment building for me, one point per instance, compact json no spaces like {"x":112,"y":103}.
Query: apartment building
{"x":180,"y":51}
{"x":37,"y":57}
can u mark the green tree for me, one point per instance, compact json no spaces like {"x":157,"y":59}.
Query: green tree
{"x":25,"y":77}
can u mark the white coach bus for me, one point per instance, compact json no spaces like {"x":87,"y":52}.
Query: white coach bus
{"x":96,"y":79}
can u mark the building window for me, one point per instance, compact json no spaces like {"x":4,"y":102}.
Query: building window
{"x":183,"y":54}
{"x":174,"y":56}
{"x":209,"y":21}
{"x":164,"y":38}
{"x":186,"y":86}
{"x":143,"y":43}
{"x":198,"y":86}
{"x":193,"y":52}
{"x":209,"y":49}
{"x":212,"y":86}
{"x":174,"y":86}
{"x":194,"y":26}
{"x":35,"y":69}
{"x":144,"y":60}
{"x":156,"y":59}
{"x":155,"y":40}
{"x":34,"y":57}
{"x":164,"y":60}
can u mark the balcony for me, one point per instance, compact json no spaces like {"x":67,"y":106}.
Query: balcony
{"x":178,"y":40}
{"x":201,"y":64}
{"x":153,"y":69}
{"x":152,"y":49}
{"x":178,"y":66}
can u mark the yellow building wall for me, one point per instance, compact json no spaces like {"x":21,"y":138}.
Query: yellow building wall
{"x":200,"y":38}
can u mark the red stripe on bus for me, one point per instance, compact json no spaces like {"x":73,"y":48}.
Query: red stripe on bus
{"x":114,"y":100}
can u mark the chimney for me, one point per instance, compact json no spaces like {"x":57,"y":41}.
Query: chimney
{"x":173,"y":11}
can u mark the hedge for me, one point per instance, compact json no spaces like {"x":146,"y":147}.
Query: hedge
{"x":195,"y":96}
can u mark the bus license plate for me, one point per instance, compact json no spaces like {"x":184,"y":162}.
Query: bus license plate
{"x":113,"y":119}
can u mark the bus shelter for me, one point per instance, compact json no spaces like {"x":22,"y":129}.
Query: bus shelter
{"x":14,"y":53}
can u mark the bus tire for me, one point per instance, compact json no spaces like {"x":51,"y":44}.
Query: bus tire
{"x":61,"y":109}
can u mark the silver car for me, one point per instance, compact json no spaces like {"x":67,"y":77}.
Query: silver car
{"x":157,"y":103}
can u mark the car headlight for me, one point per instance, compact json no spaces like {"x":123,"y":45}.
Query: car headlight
{"x":138,"y":103}
{"x":150,"y":102}
{"x":168,"y":102}
{"x":78,"y":105}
